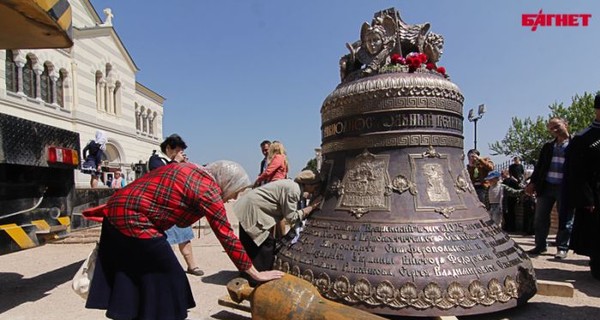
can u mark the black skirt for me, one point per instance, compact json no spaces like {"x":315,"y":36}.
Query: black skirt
{"x":262,"y":256}
{"x":90,"y":166}
{"x":138,"y":279}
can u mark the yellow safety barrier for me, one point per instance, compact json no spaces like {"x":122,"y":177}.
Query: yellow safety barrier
{"x":18,"y":235}
{"x":41,"y":224}
{"x":45,"y":232}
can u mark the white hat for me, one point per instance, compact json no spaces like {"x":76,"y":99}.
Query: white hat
{"x":230,"y":176}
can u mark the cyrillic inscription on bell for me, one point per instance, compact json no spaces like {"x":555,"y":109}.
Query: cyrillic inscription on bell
{"x":401,"y":230}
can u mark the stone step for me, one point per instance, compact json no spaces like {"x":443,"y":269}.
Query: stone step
{"x":555,"y":288}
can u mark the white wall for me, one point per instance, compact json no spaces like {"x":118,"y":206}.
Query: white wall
{"x":94,"y":47}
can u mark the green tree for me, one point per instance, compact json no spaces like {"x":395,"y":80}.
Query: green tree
{"x":525,"y":137}
{"x":579,"y":114}
{"x":311,"y":165}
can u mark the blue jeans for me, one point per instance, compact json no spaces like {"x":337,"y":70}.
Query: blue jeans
{"x":496,"y":214}
{"x":543,"y":209}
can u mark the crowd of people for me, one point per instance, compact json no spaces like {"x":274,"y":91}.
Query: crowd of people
{"x":137,"y":274}
{"x":93,"y":153}
{"x":562,"y":178}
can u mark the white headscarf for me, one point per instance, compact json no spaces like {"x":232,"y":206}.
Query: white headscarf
{"x":230,"y":176}
{"x":101,"y":139}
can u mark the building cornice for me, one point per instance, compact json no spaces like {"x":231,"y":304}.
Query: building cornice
{"x":148,"y":93}
{"x":90,"y":8}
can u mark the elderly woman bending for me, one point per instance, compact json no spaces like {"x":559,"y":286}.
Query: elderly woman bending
{"x":137,"y":275}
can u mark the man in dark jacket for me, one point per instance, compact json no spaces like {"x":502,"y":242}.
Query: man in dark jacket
{"x":264,"y":148}
{"x":517,"y":170}
{"x":546,"y":183}
{"x":583,"y":182}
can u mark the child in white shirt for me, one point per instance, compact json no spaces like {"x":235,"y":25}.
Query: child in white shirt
{"x":495,"y":193}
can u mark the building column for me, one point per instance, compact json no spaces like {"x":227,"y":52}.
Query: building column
{"x":144,"y":123}
{"x":102,"y":104}
{"x":54,"y":79}
{"x":151,"y":124}
{"x":38,"y":79}
{"x":98,"y":94}
{"x":110,"y":104}
{"x":20,"y":64}
{"x":138,"y":125}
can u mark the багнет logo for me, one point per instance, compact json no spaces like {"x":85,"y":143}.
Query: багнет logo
{"x":542,"y":19}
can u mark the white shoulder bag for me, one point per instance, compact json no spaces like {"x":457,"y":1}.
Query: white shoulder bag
{"x":83,"y":277}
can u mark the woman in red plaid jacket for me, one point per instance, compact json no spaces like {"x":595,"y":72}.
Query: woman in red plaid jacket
{"x":137,"y":275}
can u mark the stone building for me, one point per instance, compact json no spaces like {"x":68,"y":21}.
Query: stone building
{"x":90,"y":86}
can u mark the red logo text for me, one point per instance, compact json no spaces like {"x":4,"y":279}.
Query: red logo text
{"x":542,"y":19}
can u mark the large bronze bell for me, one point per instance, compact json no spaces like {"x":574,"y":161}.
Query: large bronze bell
{"x":401,"y":230}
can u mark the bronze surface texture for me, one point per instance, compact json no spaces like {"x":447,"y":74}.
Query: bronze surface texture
{"x":401,"y":230}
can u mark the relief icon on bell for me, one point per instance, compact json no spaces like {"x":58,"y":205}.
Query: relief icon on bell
{"x":401,"y":230}
{"x":366,"y":185}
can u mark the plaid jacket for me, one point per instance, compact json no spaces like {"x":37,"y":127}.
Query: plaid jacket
{"x":175,"y":194}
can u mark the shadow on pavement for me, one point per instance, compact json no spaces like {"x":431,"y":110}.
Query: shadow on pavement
{"x":589,"y":287}
{"x":540,"y":311}
{"x":225,"y":315}
{"x":580,"y":263}
{"x":562,"y":275}
{"x":221,"y":277}
{"x":582,"y":280}
{"x":16,"y":290}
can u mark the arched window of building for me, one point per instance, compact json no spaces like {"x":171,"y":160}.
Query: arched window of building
{"x":99,"y":90}
{"x":151,"y":122}
{"x":117,"y":98}
{"x":60,"y":89}
{"x":29,"y":79}
{"x":144,"y":118}
{"x":137,"y":117}
{"x":112,"y":154}
{"x":107,"y":105}
{"x":46,"y":85}
{"x":12,"y":72}
{"x":108,"y":69}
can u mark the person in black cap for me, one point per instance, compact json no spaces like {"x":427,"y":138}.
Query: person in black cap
{"x":583,"y":183}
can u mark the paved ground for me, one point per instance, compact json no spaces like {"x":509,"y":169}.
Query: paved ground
{"x":35,"y":284}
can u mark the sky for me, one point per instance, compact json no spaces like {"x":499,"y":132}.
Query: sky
{"x":235,"y":73}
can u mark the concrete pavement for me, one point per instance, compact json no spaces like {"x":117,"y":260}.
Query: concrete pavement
{"x":35,"y":283}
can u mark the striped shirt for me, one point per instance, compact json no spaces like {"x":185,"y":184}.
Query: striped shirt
{"x":555,"y":171}
{"x":176,"y":194}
